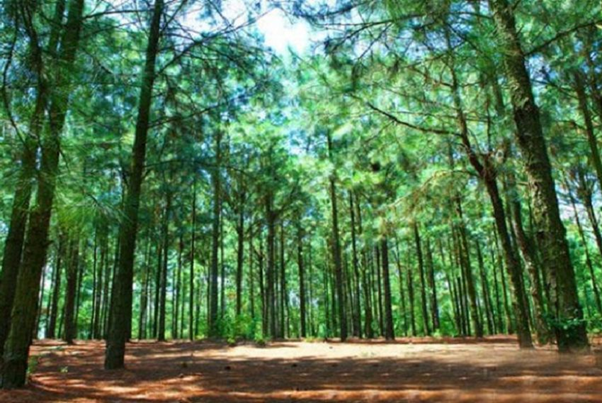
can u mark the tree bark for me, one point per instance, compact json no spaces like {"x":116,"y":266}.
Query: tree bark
{"x":566,"y":309}
{"x":423,"y":291}
{"x":336,"y":241}
{"x":301,"y":267}
{"x":163,"y":267}
{"x":121,"y":304}
{"x":15,"y":238}
{"x":70,"y":292}
{"x":589,"y":126}
{"x":389,"y":326}
{"x":16,"y":349}
{"x":588,"y":260}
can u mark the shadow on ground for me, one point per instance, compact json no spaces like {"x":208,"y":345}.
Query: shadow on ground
{"x":450,"y":370}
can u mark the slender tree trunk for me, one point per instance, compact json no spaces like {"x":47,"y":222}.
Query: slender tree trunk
{"x":215,"y":238}
{"x":389,"y":326}
{"x":270,"y":295}
{"x":177,"y":287}
{"x":191,"y":296}
{"x":588,"y":260}
{"x":240,"y":256}
{"x":379,"y":289}
{"x":485,"y":286}
{"x":589,"y":126}
{"x":423,"y":291}
{"x":222,"y":266}
{"x":468,"y":278}
{"x":70,"y":293}
{"x":283,"y":292}
{"x":512,"y":265}
{"x":529,"y":254}
{"x":336,"y":240}
{"x":402,"y":301}
{"x":163,"y":268}
{"x":251,"y":275}
{"x":410,"y":283}
{"x":121,"y":304}
{"x":585,"y":193}
{"x":56,"y":292}
{"x":300,"y":263}
{"x":496,"y":289}
{"x":144,"y":294}
{"x":433,"y":286}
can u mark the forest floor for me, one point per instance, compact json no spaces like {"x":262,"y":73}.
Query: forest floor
{"x":449,"y":370}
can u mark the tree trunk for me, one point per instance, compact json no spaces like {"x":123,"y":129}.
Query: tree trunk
{"x":589,"y":126}
{"x":336,"y":241}
{"x":569,"y":327}
{"x":356,"y":271}
{"x":24,"y":311}
{"x":15,"y":238}
{"x":70,"y":292}
{"x":300,"y":263}
{"x":121,"y":304}
{"x":191,"y":296}
{"x":485,"y":286}
{"x":588,"y":260}
{"x":215,"y":239}
{"x":423,"y":291}
{"x":240,"y":253}
{"x":527,"y":248}
{"x":56,"y":290}
{"x":163,"y":270}
{"x":433,"y":286}
{"x":389,"y":326}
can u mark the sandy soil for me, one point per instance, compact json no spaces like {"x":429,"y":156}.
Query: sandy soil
{"x":449,"y":370}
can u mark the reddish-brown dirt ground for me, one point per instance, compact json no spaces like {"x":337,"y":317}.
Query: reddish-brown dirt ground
{"x":449,"y":370}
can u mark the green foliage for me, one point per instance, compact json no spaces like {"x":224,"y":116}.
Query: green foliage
{"x":388,"y":86}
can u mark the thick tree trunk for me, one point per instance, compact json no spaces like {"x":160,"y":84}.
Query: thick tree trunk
{"x":15,"y":238}
{"x":16,"y":349}
{"x":121,"y":304}
{"x":569,"y":328}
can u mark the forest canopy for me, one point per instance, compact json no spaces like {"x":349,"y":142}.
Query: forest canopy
{"x":412,"y":168}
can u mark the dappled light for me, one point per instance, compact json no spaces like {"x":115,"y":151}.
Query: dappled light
{"x":441,"y":370}
{"x":302,"y":200}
